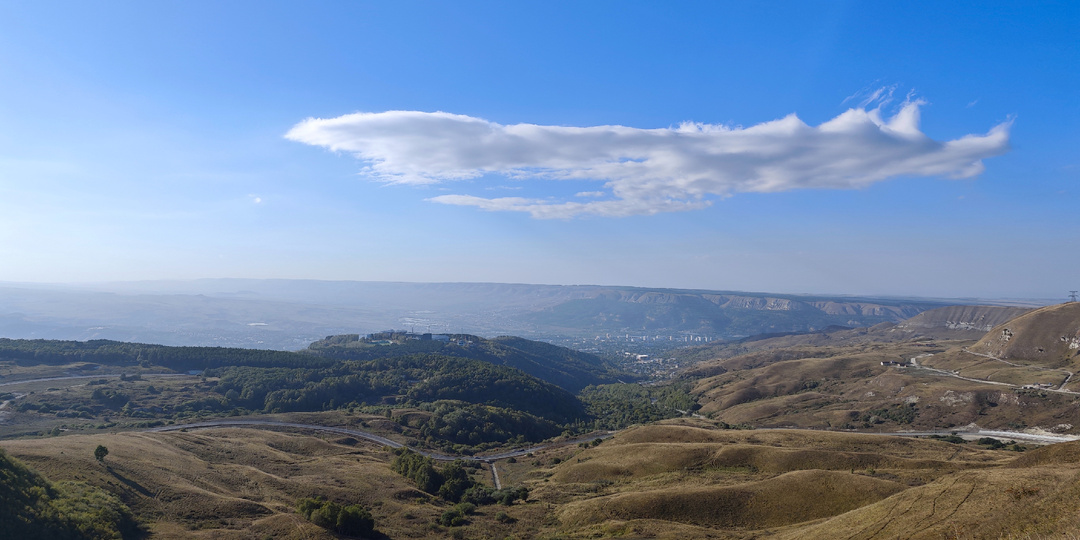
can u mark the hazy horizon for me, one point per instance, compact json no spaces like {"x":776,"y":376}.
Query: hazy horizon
{"x":150,"y":285}
{"x":916,"y":150}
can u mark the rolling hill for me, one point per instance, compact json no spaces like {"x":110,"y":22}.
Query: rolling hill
{"x":676,"y":479}
{"x":567,"y":368}
{"x":1048,"y":336}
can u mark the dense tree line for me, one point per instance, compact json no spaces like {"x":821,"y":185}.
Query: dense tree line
{"x":117,"y":353}
{"x":569,"y":369}
{"x":470,"y":403}
{"x":415,"y":379}
{"x":616,"y":406}
{"x":474,"y":425}
{"x":451,"y":482}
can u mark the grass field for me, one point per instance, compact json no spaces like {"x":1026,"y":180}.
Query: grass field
{"x":680,"y":478}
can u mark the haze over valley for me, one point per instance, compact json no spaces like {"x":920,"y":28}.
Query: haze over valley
{"x":539,"y":270}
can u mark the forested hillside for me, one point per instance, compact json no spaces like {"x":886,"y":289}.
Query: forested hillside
{"x":567,"y":368}
{"x":463,"y":394}
{"x":44,"y":351}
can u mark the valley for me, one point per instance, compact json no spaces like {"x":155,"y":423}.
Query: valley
{"x":924,"y":428}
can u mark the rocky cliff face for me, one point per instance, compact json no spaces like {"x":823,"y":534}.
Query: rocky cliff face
{"x":717,"y":314}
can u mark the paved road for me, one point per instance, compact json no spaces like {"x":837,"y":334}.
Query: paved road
{"x":265,"y":424}
{"x":492,"y":458}
{"x":947,"y":373}
{"x":100,"y":376}
{"x":1061,"y":389}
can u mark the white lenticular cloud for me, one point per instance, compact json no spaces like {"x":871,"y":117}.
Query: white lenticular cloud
{"x":648,"y":171}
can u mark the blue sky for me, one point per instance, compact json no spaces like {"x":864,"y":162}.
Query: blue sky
{"x":148,"y":140}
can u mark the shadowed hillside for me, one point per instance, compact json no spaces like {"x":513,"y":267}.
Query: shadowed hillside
{"x":32,"y":507}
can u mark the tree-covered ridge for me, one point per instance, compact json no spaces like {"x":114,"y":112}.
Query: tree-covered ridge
{"x":32,"y":508}
{"x":454,"y":403}
{"x":420,"y":378}
{"x":119,"y":353}
{"x":617,"y":406}
{"x":567,"y":368}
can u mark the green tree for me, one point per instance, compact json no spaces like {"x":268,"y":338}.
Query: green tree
{"x":100,"y":452}
{"x":351,"y":520}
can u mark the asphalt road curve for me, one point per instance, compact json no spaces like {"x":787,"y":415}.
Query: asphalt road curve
{"x":263,"y":424}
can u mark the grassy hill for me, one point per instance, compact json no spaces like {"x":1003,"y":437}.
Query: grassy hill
{"x":704,"y":475}
{"x":32,"y":507}
{"x":966,"y":322}
{"x":847,"y":387}
{"x":675,"y":479}
{"x":1048,"y":336}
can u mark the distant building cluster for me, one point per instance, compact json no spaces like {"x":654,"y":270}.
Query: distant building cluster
{"x":390,"y":337}
{"x":645,"y":339}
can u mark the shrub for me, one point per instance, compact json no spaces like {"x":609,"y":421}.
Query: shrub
{"x":452,"y":518}
{"x":351,"y":520}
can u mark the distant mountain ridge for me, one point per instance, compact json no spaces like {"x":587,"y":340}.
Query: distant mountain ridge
{"x":290,"y":314}
{"x":727,"y":315}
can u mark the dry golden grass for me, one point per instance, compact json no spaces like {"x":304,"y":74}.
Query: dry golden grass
{"x":847,"y":388}
{"x":677,"y":479}
{"x":789,"y":498}
{"x":999,"y":503}
{"x":796,"y":439}
{"x":1042,"y":337}
{"x":241,"y":483}
{"x":731,"y":481}
{"x":652,"y":528}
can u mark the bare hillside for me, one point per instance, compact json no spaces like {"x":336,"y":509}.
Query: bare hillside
{"x":972,"y":321}
{"x":1048,"y":336}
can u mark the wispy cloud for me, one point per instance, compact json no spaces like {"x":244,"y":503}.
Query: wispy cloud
{"x":648,"y":171}
{"x":877,"y":96}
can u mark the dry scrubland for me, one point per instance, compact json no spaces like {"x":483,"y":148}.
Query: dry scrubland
{"x":847,"y":387}
{"x":238,"y":483}
{"x":798,"y":484}
{"x":677,"y":479}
